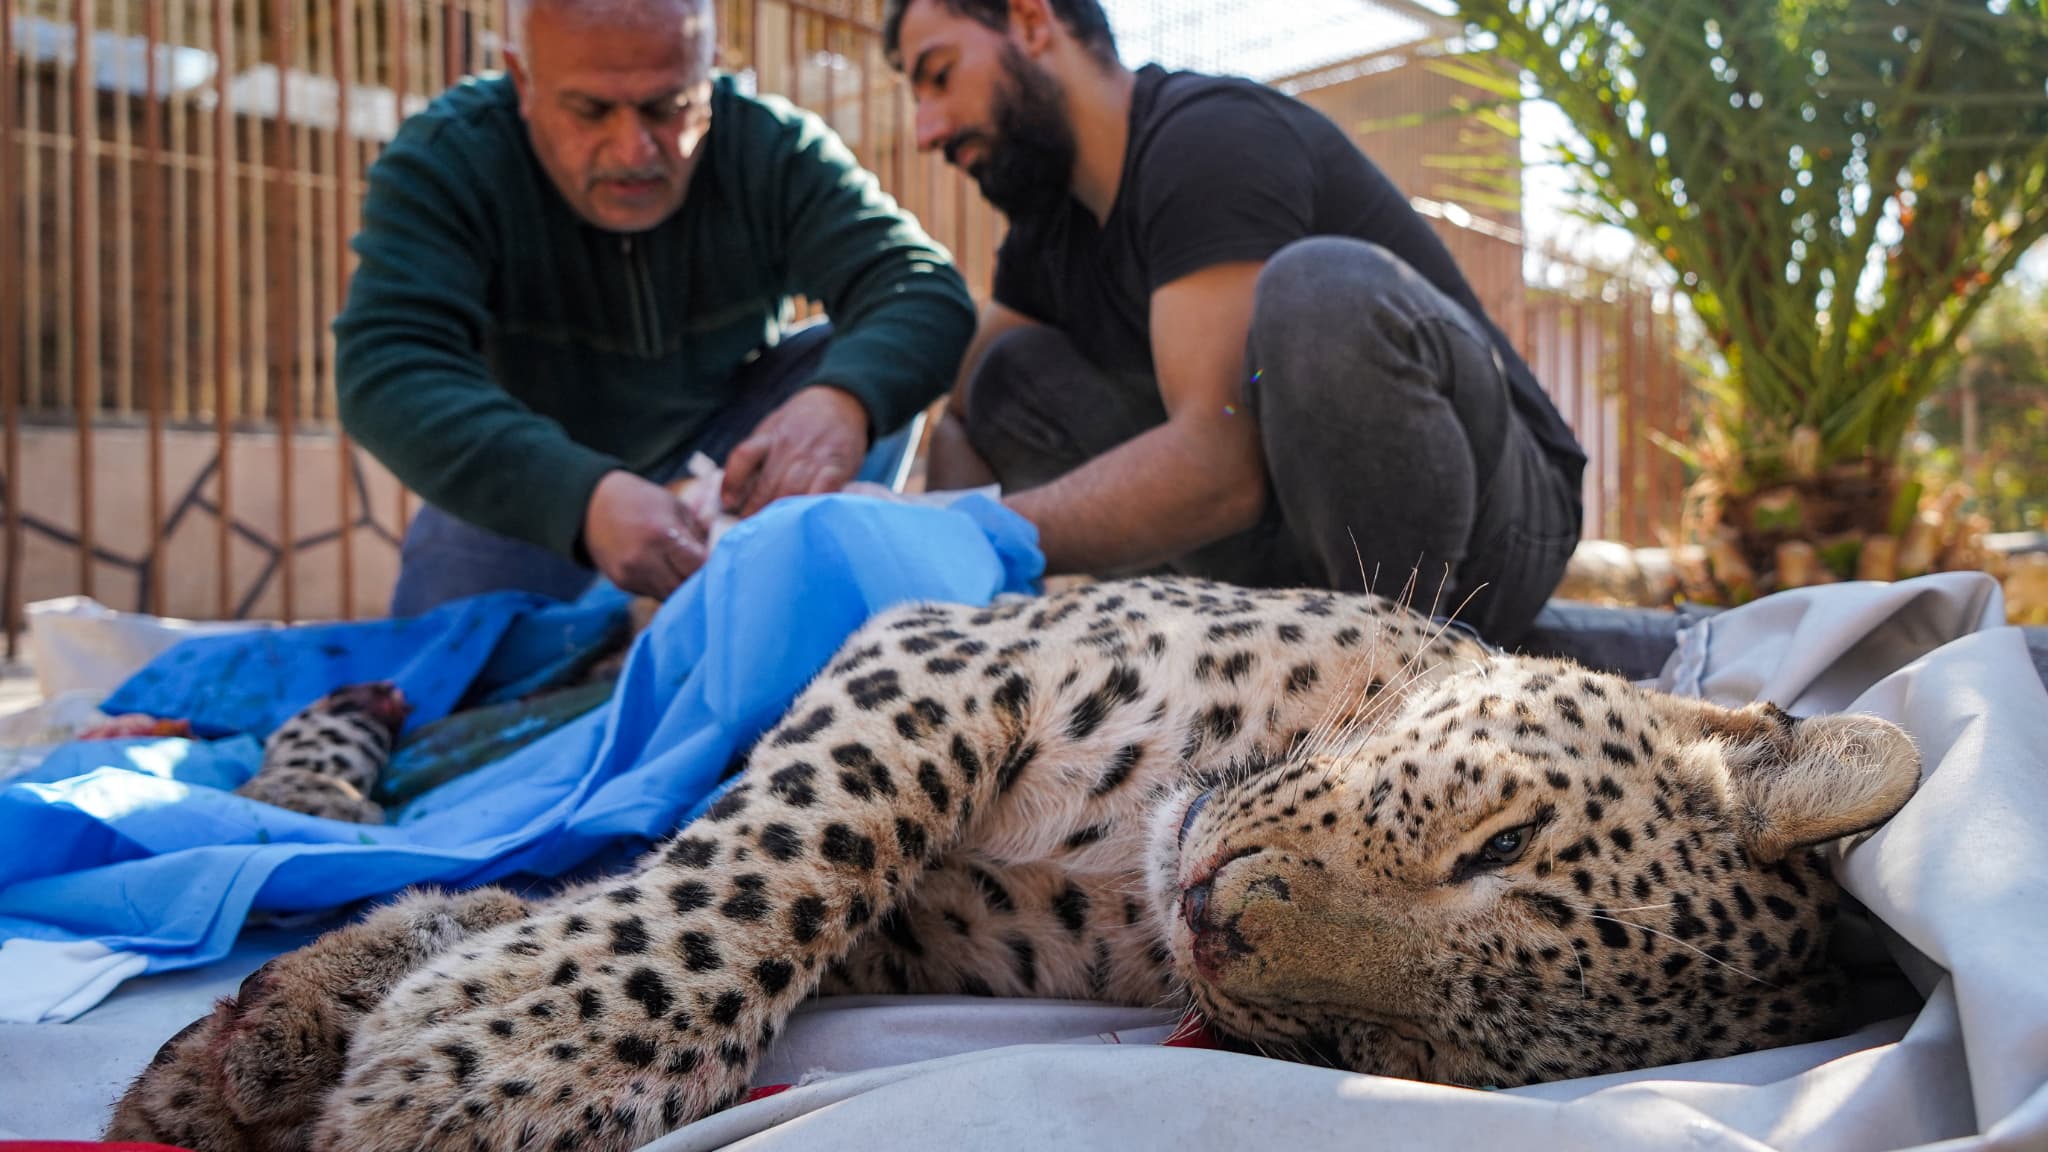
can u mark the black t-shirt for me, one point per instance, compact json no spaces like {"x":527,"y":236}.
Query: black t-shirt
{"x":1220,"y":170}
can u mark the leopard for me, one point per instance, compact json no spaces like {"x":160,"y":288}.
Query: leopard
{"x":326,"y":758}
{"x":1331,"y":827}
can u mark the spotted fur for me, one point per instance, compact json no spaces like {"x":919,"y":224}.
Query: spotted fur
{"x":254,"y":1072}
{"x":325,"y":760}
{"x":1342,"y":834}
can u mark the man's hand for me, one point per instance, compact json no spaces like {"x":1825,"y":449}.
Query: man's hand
{"x":639,"y":536}
{"x":813,"y":443}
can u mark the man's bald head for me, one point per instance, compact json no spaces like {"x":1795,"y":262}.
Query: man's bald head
{"x":616,"y":95}
{"x":696,"y":20}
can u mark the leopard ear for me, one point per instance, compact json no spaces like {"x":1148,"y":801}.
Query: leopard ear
{"x":1795,"y":783}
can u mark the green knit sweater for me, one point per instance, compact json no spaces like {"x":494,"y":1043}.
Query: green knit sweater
{"x":500,"y":355}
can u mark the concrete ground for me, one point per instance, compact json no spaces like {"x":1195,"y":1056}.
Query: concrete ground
{"x":18,"y":688}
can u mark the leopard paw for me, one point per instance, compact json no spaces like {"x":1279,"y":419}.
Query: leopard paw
{"x":254,"y":1072}
{"x":176,"y":1100}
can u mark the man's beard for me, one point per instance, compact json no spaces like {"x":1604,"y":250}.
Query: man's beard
{"x":1028,"y":168}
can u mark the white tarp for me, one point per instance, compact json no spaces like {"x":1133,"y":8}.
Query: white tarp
{"x":81,"y":651}
{"x":1954,"y":879}
{"x":77,"y":644}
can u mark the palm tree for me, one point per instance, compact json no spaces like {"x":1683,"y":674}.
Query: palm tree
{"x":1987,"y":424}
{"x":1837,"y":185}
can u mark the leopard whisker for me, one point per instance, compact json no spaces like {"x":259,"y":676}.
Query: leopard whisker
{"x":1359,"y":555}
{"x":1262,"y":1048}
{"x":1409,"y":675}
{"x":1179,"y":995}
{"x":1743,"y":972}
{"x":1590,"y":909}
{"x":1437,"y":600}
{"x":1344,"y":694}
{"x":1391,"y":694}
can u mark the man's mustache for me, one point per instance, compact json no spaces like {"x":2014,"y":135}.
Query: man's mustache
{"x":627,"y":175}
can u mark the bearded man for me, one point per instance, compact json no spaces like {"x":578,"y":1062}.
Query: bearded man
{"x":1221,"y":341}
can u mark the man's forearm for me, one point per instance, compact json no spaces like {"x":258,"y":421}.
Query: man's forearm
{"x":1151,"y":499}
{"x":464,"y":444}
{"x":901,"y":313}
{"x":897,"y":355}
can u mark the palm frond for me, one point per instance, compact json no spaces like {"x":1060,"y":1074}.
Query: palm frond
{"x":1837,"y":184}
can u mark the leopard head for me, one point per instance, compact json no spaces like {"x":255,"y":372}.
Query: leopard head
{"x":1526,"y":872}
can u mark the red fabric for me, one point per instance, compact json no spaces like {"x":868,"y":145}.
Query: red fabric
{"x":133,"y":725}
{"x":1192,"y":1033}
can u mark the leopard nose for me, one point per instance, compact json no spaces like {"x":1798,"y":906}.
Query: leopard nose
{"x":1194,"y":907}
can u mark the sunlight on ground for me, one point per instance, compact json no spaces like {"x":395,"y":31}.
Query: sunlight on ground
{"x":18,"y":689}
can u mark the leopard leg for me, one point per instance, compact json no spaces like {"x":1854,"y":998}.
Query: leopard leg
{"x":252,"y":1073}
{"x":980,"y":927}
{"x":648,"y":1002}
{"x":312,"y":794}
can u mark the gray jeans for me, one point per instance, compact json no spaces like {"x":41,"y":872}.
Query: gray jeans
{"x":1391,"y":445}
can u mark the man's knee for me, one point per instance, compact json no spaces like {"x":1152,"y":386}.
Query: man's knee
{"x":1336,"y":315}
{"x":1016,"y":367}
{"x":1328,"y":281}
{"x":1329,"y":323}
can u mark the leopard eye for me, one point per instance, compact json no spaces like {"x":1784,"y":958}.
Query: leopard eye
{"x":1506,"y":847}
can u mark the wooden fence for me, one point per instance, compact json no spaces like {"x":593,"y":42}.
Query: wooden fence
{"x":179,"y":180}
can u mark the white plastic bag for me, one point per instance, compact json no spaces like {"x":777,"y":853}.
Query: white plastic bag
{"x":78,"y":644}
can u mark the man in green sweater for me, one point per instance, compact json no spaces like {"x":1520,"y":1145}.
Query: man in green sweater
{"x":574,"y":277}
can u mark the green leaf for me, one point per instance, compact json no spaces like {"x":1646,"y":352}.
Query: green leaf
{"x":1477,"y":74}
{"x":1838,"y":200}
